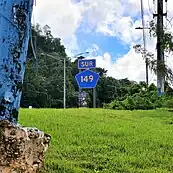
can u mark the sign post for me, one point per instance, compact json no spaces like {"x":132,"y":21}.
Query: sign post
{"x":87,"y":79}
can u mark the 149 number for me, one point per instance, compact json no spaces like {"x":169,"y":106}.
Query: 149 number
{"x":89,"y":78}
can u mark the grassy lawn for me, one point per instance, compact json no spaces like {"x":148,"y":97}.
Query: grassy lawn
{"x":106,"y":141}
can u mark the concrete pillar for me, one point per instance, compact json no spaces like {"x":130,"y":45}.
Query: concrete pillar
{"x":15,"y":24}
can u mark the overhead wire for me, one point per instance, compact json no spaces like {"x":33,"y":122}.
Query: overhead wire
{"x":143,"y":24}
{"x":166,"y":8}
{"x":33,"y":46}
{"x":154,"y":4}
{"x":152,"y":77}
{"x":168,"y":24}
{"x":169,"y":20}
{"x":149,"y":6}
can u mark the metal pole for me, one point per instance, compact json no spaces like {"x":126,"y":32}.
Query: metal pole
{"x":144,"y":40}
{"x":94,"y":97}
{"x":64,"y":83}
{"x":80,"y":90}
{"x":160,"y":52}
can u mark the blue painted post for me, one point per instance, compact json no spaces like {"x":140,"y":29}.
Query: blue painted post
{"x":15,"y":24}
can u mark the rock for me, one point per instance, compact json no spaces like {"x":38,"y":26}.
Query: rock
{"x":22,"y":149}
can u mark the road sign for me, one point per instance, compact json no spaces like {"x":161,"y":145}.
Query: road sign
{"x":82,"y":99}
{"x":86,"y":64}
{"x":87,"y":79}
{"x":82,"y":94}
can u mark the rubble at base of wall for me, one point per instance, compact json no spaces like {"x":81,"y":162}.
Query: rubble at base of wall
{"x":22,"y":149}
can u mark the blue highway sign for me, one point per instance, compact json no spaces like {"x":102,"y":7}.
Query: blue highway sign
{"x":86,"y":64}
{"x":87,"y":79}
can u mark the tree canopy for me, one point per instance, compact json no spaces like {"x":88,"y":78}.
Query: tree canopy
{"x":43,"y":82}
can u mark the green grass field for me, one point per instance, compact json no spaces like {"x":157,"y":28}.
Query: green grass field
{"x":106,"y":141}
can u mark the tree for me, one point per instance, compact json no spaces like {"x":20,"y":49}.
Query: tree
{"x":44,"y":87}
{"x":166,"y":45}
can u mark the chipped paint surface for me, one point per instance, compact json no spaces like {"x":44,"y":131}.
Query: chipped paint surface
{"x":15,"y":24}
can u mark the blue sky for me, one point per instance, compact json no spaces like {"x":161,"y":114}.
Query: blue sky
{"x":104,"y":27}
{"x":105,"y":43}
{"x":87,"y":36}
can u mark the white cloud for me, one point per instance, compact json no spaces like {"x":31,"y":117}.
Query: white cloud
{"x":122,"y":25}
{"x":107,"y":17}
{"x":116,"y":18}
{"x":131,"y":66}
{"x":105,"y":62}
{"x":94,"y":51}
{"x":62,"y":16}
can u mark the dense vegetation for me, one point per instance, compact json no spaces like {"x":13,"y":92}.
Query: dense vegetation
{"x":43,"y":83}
{"x":141,"y":97}
{"x":105,"y":141}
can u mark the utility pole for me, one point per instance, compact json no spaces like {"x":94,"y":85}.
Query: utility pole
{"x":64,"y":83}
{"x":160,"y":51}
{"x":144,"y":53}
{"x":144,"y":40}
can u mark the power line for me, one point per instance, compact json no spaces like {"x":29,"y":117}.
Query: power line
{"x":169,"y":20}
{"x":152,"y":77}
{"x":151,"y":11}
{"x":155,"y":6}
{"x":33,"y":45}
{"x":169,"y":23}
{"x":166,"y":7}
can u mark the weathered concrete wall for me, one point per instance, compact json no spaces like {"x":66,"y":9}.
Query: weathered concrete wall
{"x":15,"y":24}
{"x":21,"y":149}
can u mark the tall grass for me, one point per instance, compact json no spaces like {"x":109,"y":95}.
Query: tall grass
{"x":106,"y":141}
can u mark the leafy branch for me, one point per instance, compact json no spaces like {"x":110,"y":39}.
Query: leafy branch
{"x":153,"y":64}
{"x":166,"y":46}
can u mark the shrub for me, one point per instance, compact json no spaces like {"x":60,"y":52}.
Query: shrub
{"x":144,"y":99}
{"x":141,"y":102}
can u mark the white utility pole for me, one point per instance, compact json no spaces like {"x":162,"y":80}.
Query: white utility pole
{"x":64,"y":83}
{"x":144,"y":40}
